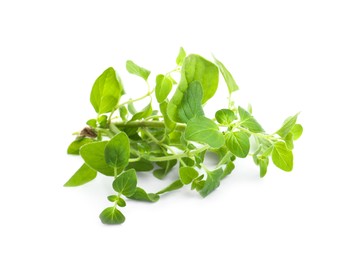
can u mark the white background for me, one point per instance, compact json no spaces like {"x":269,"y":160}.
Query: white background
{"x":287,"y":56}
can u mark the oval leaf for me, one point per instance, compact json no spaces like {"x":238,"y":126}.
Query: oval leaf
{"x":137,"y":70}
{"x":83,"y":175}
{"x":288,"y":124}
{"x":191,"y":104}
{"x":117,"y":151}
{"x":248,"y":121}
{"x":225,"y":116}
{"x":297,"y":131}
{"x":142,"y":195}
{"x":212,"y":182}
{"x":187,"y":174}
{"x":112,"y":216}
{"x":282,"y":157}
{"x":126,"y":183}
{"x":74,"y":147}
{"x":238,"y":143}
{"x":163,"y":87}
{"x":181,"y":56}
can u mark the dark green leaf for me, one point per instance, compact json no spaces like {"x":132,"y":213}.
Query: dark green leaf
{"x":191,"y":104}
{"x":142,"y":165}
{"x":187,"y":174}
{"x":141,"y":194}
{"x":74,"y":147}
{"x":120,"y":201}
{"x":126,"y":183}
{"x":297,"y":131}
{"x":181,"y":56}
{"x":93,"y":155}
{"x":112,"y":216}
{"x":117,"y":151}
{"x":225,"y":116}
{"x":249,"y":122}
{"x":238,"y":143}
{"x":282,"y":157}
{"x":166,"y":167}
{"x":106,"y":91}
{"x":204,"y":130}
{"x":231,"y":83}
{"x":83,"y":175}
{"x":112,"y":198}
{"x":137,"y":70}
{"x":163,"y":87}
{"x":287,"y":126}
{"x":174,"y":186}
{"x":187,"y":161}
{"x":212,"y":182}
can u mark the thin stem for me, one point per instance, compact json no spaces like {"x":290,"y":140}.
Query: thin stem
{"x":177,"y":156}
{"x":152,"y":124}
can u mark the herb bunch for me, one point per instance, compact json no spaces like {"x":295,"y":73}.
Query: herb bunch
{"x":120,"y":141}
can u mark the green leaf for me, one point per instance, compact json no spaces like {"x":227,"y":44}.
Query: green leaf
{"x":142,"y":195}
{"x":191,"y":104}
{"x":106,"y":91}
{"x":123,"y":113}
{"x":212,"y":182}
{"x":166,"y":167}
{"x":131,"y":108}
{"x":248,"y":121}
{"x":238,"y":143}
{"x":287,"y":126}
{"x":169,"y":124}
{"x":102,"y":121}
{"x":120,"y":201}
{"x":174,"y":186}
{"x":198,"y":183}
{"x":93,"y":155}
{"x":117,"y":151}
{"x":187,"y":174}
{"x":142,"y":165}
{"x":231,"y":83}
{"x":181,"y":56}
{"x":144,"y":113}
{"x":112,"y":216}
{"x":225,"y":116}
{"x":74,"y":147}
{"x":289,"y":141}
{"x":263,"y":163}
{"x":297,"y":131}
{"x":137,"y":70}
{"x":126,"y":183}
{"x":228,"y":169}
{"x":282,"y":157}
{"x":195,"y":68}
{"x":163,"y":87}
{"x":83,"y":175}
{"x":92,"y":123}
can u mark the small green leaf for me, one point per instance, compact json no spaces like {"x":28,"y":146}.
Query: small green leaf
{"x":248,"y":121}
{"x":297,"y":131}
{"x":187,"y":174}
{"x":163,"y":87}
{"x":263,"y":163}
{"x":287,"y":126}
{"x":169,"y":124}
{"x":181,"y":56}
{"x":126,"y":183}
{"x":92,"y":123}
{"x":120,"y":201}
{"x":173,"y":186}
{"x":123,"y":113}
{"x":112,"y":198}
{"x":93,"y":155}
{"x":131,"y":108}
{"x":142,"y":195}
{"x":83,"y":175}
{"x":282,"y":157}
{"x":198,"y":183}
{"x":238,"y":143}
{"x":117,"y":151}
{"x":112,"y":216}
{"x":74,"y":147}
{"x":144,"y":113}
{"x":142,"y":165}
{"x":231,"y":83}
{"x":289,"y":141}
{"x":166,"y":167}
{"x":102,"y":121}
{"x":228,"y":169}
{"x":204,"y":130}
{"x":106,"y":91}
{"x":225,"y":116}
{"x":137,"y":70}
{"x":191,"y":105}
{"x":212,"y":182}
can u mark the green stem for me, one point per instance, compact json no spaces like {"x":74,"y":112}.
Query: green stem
{"x":151,"y":124}
{"x":177,"y":156}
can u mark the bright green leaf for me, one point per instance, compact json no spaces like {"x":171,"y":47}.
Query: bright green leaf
{"x":112,"y":216}
{"x":144,"y":113}
{"x":282,"y":157}
{"x":137,"y":70}
{"x":297,"y":131}
{"x":238,"y":143}
{"x":163,"y":87}
{"x":191,"y":104}
{"x":142,"y":195}
{"x":287,"y":126}
{"x":289,"y":141}
{"x":263,"y":163}
{"x":83,"y":175}
{"x":106,"y":91}
{"x":169,"y":124}
{"x":198,"y":183}
{"x":123,"y":113}
{"x":212,"y":182}
{"x":117,"y":151}
{"x":173,"y":186}
{"x":187,"y":174}
{"x":248,"y":121}
{"x":92,"y":123}
{"x":204,"y":130}
{"x":228,"y":169}
{"x":93,"y":155}
{"x":181,"y":56}
{"x":231,"y":83}
{"x":225,"y":116}
{"x":74,"y":147}
{"x":126,"y":183}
